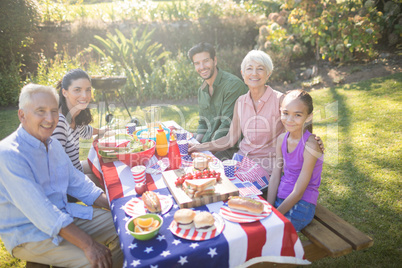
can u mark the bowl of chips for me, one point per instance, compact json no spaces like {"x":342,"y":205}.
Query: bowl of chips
{"x":144,"y":227}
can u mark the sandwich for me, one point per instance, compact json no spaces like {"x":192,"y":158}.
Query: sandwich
{"x":184,"y":218}
{"x":152,"y":202}
{"x":246,"y":204}
{"x":199,"y":187}
{"x":198,"y":154}
{"x":204,"y":222}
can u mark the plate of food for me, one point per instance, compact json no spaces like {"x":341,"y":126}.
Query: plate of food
{"x":149,"y":201}
{"x":244,"y":209}
{"x":196,"y":225}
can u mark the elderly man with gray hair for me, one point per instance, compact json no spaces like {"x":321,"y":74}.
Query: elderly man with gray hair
{"x":37,"y":223}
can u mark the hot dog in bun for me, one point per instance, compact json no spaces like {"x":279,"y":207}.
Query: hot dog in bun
{"x":184,"y":218}
{"x":152,"y":202}
{"x":246,"y":204}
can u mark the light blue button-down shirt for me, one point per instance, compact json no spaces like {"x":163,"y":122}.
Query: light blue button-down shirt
{"x":34,"y":183}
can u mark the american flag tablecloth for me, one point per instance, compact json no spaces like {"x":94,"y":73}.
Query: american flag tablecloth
{"x":272,"y":239}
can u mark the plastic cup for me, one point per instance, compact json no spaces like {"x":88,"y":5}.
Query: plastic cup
{"x":130,"y":127}
{"x":152,"y":116}
{"x":200,"y":163}
{"x":183,"y":147}
{"x":229,"y":166}
{"x":138,"y":173}
{"x":181,"y":135}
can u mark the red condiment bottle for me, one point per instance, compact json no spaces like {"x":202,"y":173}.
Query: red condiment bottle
{"x":174,"y":155}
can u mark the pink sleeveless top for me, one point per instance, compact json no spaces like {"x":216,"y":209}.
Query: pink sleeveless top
{"x":262,"y":128}
{"x":292,"y":166}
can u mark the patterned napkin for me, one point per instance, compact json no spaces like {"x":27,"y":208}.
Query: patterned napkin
{"x":155,"y":166}
{"x":251,"y":172}
{"x":247,"y":189}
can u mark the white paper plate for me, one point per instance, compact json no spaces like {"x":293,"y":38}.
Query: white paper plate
{"x":239,"y":216}
{"x":193,"y":234}
{"x":135,"y":207}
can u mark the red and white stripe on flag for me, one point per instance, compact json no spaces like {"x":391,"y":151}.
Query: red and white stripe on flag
{"x":278,"y":239}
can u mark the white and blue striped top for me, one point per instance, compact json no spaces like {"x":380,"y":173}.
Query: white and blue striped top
{"x":70,"y":139}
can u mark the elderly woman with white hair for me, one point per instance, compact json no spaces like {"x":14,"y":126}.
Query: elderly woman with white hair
{"x":256,"y":114}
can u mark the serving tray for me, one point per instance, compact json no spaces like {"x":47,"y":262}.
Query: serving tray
{"x":223,"y":190}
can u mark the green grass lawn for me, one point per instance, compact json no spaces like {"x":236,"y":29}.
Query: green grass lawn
{"x":360,"y":125}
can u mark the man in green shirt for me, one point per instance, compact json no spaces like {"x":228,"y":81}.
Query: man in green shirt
{"x":216,"y":97}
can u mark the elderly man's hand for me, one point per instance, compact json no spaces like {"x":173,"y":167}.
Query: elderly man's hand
{"x":98,"y":255}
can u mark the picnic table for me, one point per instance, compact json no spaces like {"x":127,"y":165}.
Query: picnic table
{"x":328,"y":235}
{"x":272,"y":239}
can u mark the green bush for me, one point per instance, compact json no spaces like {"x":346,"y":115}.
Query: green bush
{"x":137,"y":55}
{"x":336,"y":31}
{"x":175,"y":79}
{"x":230,"y":59}
{"x":333,"y":31}
{"x":18,"y":19}
{"x":176,"y":11}
{"x":179,"y":80}
{"x":144,"y":10}
{"x":151,"y":72}
{"x":10,"y":82}
{"x":391,"y":19}
{"x":51,"y":71}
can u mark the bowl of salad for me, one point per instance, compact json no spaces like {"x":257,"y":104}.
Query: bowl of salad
{"x":137,"y":152}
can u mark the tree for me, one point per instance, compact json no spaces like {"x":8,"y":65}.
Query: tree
{"x":18,"y":19}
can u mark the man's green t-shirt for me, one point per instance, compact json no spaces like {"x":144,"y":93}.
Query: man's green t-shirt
{"x":216,"y":111}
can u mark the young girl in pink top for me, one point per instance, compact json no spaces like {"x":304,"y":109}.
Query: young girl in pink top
{"x":299,"y":156}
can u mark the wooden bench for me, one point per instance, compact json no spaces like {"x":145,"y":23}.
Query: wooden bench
{"x":331,"y":236}
{"x":328,"y":236}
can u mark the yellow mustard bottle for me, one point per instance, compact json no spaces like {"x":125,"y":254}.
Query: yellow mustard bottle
{"x":161,"y":142}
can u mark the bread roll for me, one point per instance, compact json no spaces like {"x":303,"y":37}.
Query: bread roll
{"x":184,"y":215}
{"x":204,"y":221}
{"x":184,"y":218}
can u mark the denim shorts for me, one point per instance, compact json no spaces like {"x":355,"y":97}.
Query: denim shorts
{"x":300,"y":215}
